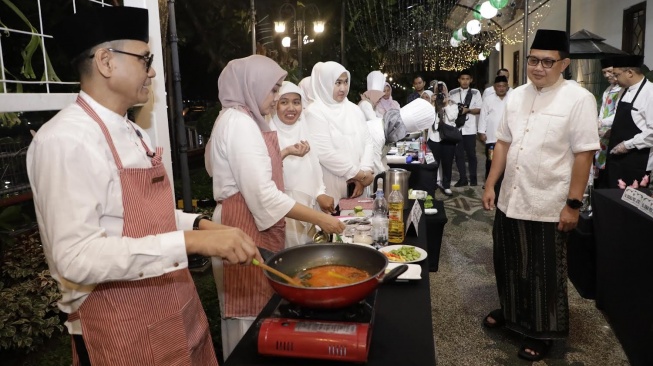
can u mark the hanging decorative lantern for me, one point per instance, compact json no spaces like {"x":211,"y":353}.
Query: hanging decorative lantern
{"x":461,"y":36}
{"x":473,"y":27}
{"x":454,"y":42}
{"x":477,"y":12}
{"x":499,"y":4}
{"x":497,"y":46}
{"x":481,"y":56}
{"x":488,"y":11}
{"x":466,"y":33}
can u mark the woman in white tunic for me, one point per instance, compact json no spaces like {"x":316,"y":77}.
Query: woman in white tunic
{"x":302,"y":174}
{"x":339,"y":132}
{"x":244,"y":159}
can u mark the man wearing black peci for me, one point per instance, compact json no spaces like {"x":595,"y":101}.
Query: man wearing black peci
{"x":545,"y":144}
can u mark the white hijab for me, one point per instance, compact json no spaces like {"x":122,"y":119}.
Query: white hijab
{"x":301,"y":174}
{"x":305,"y":85}
{"x":339,"y":115}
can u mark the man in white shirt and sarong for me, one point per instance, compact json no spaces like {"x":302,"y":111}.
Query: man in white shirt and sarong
{"x":545,"y":144}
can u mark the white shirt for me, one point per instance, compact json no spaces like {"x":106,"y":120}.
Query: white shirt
{"x":643,"y":117}
{"x":344,"y":147}
{"x":78,"y":201}
{"x":238,"y":161}
{"x":490,"y":90}
{"x":450,"y":115}
{"x":458,"y":95}
{"x":544,"y":129}
{"x":377,"y":134}
{"x":490,"y":116}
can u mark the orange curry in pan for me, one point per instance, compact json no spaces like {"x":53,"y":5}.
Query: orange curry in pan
{"x":331,"y":275}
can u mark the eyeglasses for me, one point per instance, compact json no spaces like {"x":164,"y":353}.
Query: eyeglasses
{"x":547,"y":63}
{"x":147,"y":58}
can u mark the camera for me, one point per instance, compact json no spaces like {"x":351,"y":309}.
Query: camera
{"x":440,"y":93}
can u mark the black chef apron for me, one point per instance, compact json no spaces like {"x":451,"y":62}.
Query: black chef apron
{"x":630,"y":166}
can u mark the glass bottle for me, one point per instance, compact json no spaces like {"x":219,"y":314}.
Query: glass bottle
{"x":395,"y":215}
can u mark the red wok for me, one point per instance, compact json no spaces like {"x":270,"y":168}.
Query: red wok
{"x":293,"y":260}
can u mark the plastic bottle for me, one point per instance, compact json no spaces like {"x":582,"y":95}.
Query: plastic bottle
{"x":380,"y":203}
{"x":395,"y":215}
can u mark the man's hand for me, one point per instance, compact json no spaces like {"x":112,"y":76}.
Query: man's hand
{"x":619,"y":149}
{"x":488,"y":197}
{"x":230,"y":244}
{"x":326,"y":203}
{"x":568,"y":219}
{"x":482,"y":137}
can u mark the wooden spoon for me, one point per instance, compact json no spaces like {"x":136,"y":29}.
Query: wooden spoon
{"x":287,"y":278}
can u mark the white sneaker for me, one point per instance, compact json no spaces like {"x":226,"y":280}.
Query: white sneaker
{"x":448,"y":192}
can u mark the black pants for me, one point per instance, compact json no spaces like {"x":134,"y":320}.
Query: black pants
{"x":467,"y":147}
{"x":82,"y":353}
{"x":443,"y":153}
{"x":488,"y":162}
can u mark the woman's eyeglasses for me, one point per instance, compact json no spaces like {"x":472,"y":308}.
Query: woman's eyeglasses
{"x":147,"y":58}
{"x":547,"y":63}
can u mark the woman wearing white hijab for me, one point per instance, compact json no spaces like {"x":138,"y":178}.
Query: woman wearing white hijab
{"x":302,"y":174}
{"x":386,"y":102}
{"x":305,"y":85}
{"x":339,"y":132}
{"x":244,"y":160}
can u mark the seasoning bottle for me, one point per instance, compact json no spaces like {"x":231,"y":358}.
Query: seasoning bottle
{"x":395,"y":215}
{"x":380,"y":204}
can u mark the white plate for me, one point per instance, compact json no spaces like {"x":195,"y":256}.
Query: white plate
{"x":351,"y":213}
{"x":414,"y":271}
{"x":430,"y":211}
{"x":389,"y":248}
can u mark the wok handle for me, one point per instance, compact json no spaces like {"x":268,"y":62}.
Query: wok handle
{"x":266,"y":254}
{"x":394,"y":273}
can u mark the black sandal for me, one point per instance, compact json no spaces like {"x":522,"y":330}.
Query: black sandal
{"x":540,"y":347}
{"x":499,"y":320}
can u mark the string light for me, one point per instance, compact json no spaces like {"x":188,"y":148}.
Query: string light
{"x":427,"y":35}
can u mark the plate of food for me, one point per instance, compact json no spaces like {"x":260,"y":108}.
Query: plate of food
{"x":404,"y":253}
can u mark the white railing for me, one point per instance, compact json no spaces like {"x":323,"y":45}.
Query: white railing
{"x":152,"y":116}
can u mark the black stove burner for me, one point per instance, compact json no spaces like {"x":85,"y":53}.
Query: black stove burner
{"x":360,"y":312}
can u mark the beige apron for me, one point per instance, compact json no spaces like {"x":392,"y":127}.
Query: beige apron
{"x":154,"y":321}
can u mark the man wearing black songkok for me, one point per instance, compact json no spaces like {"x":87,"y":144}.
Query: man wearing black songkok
{"x":545,"y":144}
{"x":112,"y":238}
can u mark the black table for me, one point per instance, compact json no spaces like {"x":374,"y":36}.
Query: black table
{"x":434,"y":230}
{"x":624,"y":277}
{"x":422,"y":176}
{"x":403,"y":329}
{"x":581,"y":257}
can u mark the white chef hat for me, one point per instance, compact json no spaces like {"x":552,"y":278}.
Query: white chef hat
{"x":375,"y":81}
{"x":417,"y":115}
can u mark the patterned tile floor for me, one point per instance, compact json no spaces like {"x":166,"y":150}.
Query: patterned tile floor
{"x":463,"y":291}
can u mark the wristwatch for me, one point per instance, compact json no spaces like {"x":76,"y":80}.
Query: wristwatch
{"x":574,"y":203}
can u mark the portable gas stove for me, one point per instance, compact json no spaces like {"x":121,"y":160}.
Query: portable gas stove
{"x":339,"y":334}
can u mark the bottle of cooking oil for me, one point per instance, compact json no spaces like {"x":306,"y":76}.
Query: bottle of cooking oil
{"x":395,"y":215}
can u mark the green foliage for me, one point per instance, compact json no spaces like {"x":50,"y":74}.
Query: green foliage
{"x":29,"y":295}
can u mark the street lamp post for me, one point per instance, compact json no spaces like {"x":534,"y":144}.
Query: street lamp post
{"x":299,"y":27}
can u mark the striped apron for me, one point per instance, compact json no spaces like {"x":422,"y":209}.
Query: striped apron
{"x":246,"y":290}
{"x":153,"y":321}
